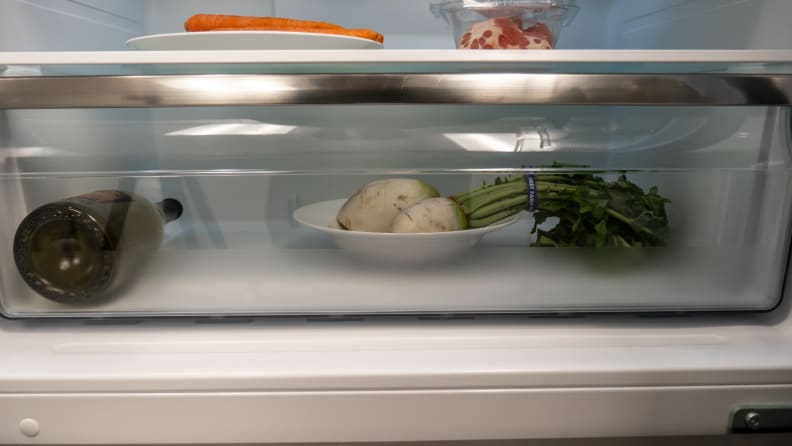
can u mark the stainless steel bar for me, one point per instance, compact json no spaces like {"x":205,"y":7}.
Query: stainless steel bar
{"x":480,"y":88}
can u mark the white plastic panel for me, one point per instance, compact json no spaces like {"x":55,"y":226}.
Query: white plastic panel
{"x":375,"y":415}
{"x":266,"y":381}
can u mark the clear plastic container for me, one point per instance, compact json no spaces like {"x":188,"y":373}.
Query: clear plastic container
{"x":242,"y":246}
{"x":506,"y":24}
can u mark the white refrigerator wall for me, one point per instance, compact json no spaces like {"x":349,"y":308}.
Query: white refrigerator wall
{"x":700,"y":24}
{"x":69,"y":25}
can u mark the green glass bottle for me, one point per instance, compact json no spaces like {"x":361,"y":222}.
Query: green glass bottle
{"x":83,"y":249}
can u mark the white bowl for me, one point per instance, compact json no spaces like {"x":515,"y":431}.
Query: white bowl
{"x":391,"y":247}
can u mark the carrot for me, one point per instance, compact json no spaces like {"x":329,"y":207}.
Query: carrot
{"x":208,"y":22}
{"x":362,"y":33}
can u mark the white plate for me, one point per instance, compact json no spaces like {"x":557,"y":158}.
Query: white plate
{"x":250,"y":40}
{"x":412,"y":248}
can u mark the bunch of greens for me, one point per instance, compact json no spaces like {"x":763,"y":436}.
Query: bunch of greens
{"x":591,"y":212}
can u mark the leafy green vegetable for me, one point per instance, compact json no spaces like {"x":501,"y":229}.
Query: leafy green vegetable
{"x":591,"y":212}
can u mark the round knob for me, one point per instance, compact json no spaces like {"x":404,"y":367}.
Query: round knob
{"x":29,"y":427}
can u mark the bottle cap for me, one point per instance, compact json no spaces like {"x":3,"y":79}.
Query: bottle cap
{"x":171,"y":208}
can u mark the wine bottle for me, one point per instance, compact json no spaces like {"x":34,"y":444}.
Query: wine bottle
{"x":83,"y":249}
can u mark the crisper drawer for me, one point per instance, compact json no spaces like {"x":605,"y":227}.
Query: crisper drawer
{"x":255,"y":230}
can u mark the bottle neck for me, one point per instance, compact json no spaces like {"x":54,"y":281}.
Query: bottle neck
{"x":170,"y":208}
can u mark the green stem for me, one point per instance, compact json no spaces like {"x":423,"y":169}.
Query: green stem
{"x":487,"y":195}
{"x":494,"y":218}
{"x":498,"y":206}
{"x":488,"y":204}
{"x":628,"y":221}
{"x":492,"y":203}
{"x":542,"y":186}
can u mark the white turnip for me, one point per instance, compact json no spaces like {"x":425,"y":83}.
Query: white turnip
{"x":374,"y":206}
{"x":431,"y":215}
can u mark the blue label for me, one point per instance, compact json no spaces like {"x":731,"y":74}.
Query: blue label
{"x":530,"y":180}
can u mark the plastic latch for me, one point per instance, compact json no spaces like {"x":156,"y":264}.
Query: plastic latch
{"x":762,"y":420}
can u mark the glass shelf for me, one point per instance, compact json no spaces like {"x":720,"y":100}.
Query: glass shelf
{"x":124,"y":63}
{"x":185,"y":78}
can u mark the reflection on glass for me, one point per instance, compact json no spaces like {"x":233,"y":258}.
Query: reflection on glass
{"x":484,"y":142}
{"x":28,"y":152}
{"x":234,"y":127}
{"x":527,"y":140}
{"x":211,"y":88}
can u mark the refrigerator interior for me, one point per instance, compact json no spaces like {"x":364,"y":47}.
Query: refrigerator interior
{"x":600,"y":24}
{"x":726,"y":169}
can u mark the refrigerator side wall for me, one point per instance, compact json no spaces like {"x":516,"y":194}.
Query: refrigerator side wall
{"x":57,"y":25}
{"x":700,"y":24}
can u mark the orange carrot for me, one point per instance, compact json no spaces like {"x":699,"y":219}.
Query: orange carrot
{"x":208,"y":22}
{"x":362,"y":33}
